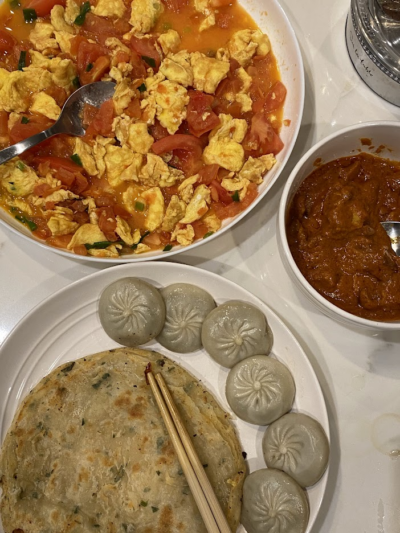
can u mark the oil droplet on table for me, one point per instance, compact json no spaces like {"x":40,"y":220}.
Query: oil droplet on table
{"x":385,"y":434}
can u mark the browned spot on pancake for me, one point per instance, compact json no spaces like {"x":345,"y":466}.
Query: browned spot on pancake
{"x":136,"y":468}
{"x":107,"y":461}
{"x":166,"y":519}
{"x":83,"y":475}
{"x":71,"y":430}
{"x":181,"y":527}
{"x":90,"y":458}
{"x":135,"y":410}
{"x":18,"y":531}
{"x":55,"y":515}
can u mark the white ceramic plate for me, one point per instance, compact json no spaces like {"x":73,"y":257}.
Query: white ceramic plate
{"x":272,"y":20}
{"x":66,"y":326}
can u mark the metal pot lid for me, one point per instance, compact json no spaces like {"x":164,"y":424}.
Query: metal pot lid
{"x":377,"y":23}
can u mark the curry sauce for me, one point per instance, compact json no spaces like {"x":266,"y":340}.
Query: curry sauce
{"x":336,"y":238}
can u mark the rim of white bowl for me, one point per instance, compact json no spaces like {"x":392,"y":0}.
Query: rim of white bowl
{"x":342,"y":316}
{"x":159,"y":254}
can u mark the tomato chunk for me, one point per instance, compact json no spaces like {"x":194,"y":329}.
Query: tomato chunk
{"x":7,"y":42}
{"x":261,"y":139}
{"x":200,"y":116}
{"x":147,"y":50}
{"x":43,"y":7}
{"x":186,"y":150}
{"x":274,"y":99}
{"x":102,"y":122}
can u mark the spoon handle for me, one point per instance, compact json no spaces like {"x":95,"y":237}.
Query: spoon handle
{"x":16,"y":149}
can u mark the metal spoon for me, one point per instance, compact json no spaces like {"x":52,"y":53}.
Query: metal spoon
{"x":392,"y":228}
{"x":70,"y":119}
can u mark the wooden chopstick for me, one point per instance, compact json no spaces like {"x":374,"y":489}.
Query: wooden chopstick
{"x":193,"y":457}
{"x":187,"y":468}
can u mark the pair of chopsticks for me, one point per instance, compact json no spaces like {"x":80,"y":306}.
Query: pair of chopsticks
{"x":199,"y":484}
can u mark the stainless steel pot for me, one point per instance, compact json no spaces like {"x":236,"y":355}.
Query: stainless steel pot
{"x":373,"y":43}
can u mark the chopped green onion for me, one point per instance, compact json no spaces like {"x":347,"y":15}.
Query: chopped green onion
{"x":208,"y":234}
{"x":150,"y":61}
{"x":134,"y":246}
{"x":167,"y":248}
{"x":30,"y":15}
{"x":31,"y":225}
{"x":89,"y":67}
{"x":143,"y":504}
{"x":76,"y":159}
{"x":139,"y":206}
{"x":154,"y":509}
{"x":14,"y":4}
{"x":24,"y":120}
{"x":22,"y":60}
{"x":80,"y":19}
{"x":100,"y":245}
{"x":68,"y":368}
{"x":142,"y":88}
{"x":21,"y":166}
{"x":76,"y":83}
{"x":235,"y":196}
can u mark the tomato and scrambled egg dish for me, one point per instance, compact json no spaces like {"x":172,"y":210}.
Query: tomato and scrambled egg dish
{"x":191,"y":130}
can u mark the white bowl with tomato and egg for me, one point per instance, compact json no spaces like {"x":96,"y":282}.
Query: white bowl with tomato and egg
{"x":287,"y":53}
{"x":353,"y":248}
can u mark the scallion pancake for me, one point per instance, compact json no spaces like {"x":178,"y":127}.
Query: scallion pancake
{"x":88,"y":451}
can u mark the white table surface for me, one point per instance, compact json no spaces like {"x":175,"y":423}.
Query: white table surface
{"x":359,"y":371}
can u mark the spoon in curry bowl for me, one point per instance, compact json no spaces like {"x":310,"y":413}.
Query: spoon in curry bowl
{"x":70,"y":119}
{"x":392,"y":228}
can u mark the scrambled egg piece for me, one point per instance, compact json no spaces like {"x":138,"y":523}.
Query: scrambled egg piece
{"x":133,"y":134}
{"x":244,"y":44}
{"x":62,"y":71}
{"x":71,"y":11}
{"x":15,"y":94}
{"x":157,"y":173}
{"x":223,"y":54}
{"x":254,"y":168}
{"x":84,"y":151}
{"x":57,"y":18}
{"x":208,"y":72}
{"x":61,"y":221}
{"x":109,"y":8}
{"x":91,"y":205}
{"x":183,"y":235}
{"x":63,"y":39}
{"x":233,"y":184}
{"x":229,"y":128}
{"x":242,"y":96}
{"x":149,"y":107}
{"x":212,"y":222}
{"x":22,"y":205}
{"x":87,"y":234}
{"x":152,"y":81}
{"x":177,"y":68}
{"x":171,"y":100}
{"x":3,"y":76}
{"x":202,"y":6}
{"x":121,"y":164}
{"x":141,"y":248}
{"x":224,"y":148}
{"x":111,"y":251}
{"x":175,"y":211}
{"x":124,"y":231}
{"x":186,"y":188}
{"x":169,"y":41}
{"x":120,"y":72}
{"x":115,"y":45}
{"x":17,"y":178}
{"x":122,"y":96}
{"x":198,"y":205}
{"x":42,"y":36}
{"x":155,"y":208}
{"x":55,"y":197}
{"x":99,"y":152}
{"x":208,"y":22}
{"x":144,"y":15}
{"x":46,"y":105}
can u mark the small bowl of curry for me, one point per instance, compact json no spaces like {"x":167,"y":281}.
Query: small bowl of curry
{"x":330,"y":235}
